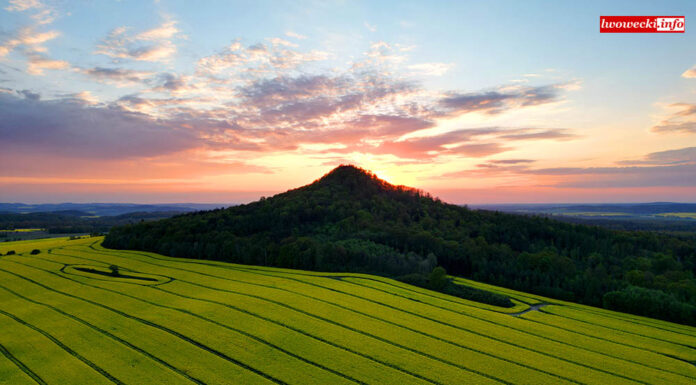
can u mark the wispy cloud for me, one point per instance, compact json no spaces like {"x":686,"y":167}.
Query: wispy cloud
{"x":295,"y":35}
{"x":668,"y":157}
{"x":690,"y":73}
{"x":683,"y":120}
{"x":501,"y":100}
{"x":155,"y":45}
{"x":37,"y":63}
{"x":28,"y":40}
{"x":430,"y":69}
{"x":120,"y":77}
{"x":23,"y":5}
{"x":672,"y":168}
{"x":258,"y":58}
{"x":43,"y":14}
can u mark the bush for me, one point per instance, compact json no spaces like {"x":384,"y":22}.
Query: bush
{"x":650,"y":303}
{"x":114,"y":270}
{"x":35,"y":251}
{"x":478,"y":295}
{"x":414,"y":279}
{"x":437,"y":280}
{"x":11,"y":252}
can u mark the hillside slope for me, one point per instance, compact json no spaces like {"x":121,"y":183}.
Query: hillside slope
{"x":350,"y":220}
{"x":209,"y":322}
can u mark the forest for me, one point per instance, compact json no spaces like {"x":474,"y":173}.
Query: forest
{"x":350,"y":220}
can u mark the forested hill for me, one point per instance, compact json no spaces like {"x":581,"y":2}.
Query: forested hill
{"x":350,"y":220}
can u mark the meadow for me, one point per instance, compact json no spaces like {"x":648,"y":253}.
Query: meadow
{"x":162,"y":320}
{"x":679,"y":215}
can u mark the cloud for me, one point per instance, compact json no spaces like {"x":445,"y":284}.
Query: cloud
{"x":511,"y":161}
{"x":257,"y":58}
{"x":66,"y":128}
{"x":153,"y":45}
{"x":671,"y":168}
{"x":29,"y":40}
{"x":383,"y":54}
{"x":38,"y":63}
{"x":174,"y":84}
{"x":498,"y":101}
{"x":276,"y":41}
{"x":681,"y":121}
{"x":295,"y":35}
{"x":82,"y":97}
{"x":43,"y":14}
{"x":118,"y":76}
{"x":430,"y":69}
{"x":317,"y":102}
{"x":474,"y":143}
{"x":370,"y":27}
{"x":682,"y":127}
{"x":284,"y":89}
{"x":690,"y":73}
{"x":433,"y":147}
{"x":668,"y":157}
{"x":683,"y":175}
{"x":29,"y":95}
{"x":23,"y":5}
{"x":540,"y":134}
{"x":165,"y":31}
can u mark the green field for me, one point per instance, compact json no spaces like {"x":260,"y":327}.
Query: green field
{"x":678,"y":215}
{"x":63,"y":320}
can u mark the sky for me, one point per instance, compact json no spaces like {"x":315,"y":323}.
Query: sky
{"x":226,"y":101}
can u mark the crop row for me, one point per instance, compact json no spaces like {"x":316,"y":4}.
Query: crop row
{"x":210,"y":365}
{"x":499,"y":347}
{"x":209,"y":328}
{"x":680,"y":365}
{"x":425,"y":363}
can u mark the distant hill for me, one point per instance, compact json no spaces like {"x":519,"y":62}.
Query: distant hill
{"x":71,"y":221}
{"x":649,"y":208}
{"x":655,"y":216}
{"x":349,"y":220}
{"x":105,"y":209}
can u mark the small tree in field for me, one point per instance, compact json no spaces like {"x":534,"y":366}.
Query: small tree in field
{"x":35,"y":251}
{"x":114,"y":270}
{"x":438,"y":278}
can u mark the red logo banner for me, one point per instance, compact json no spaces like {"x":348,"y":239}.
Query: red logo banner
{"x":642,"y":24}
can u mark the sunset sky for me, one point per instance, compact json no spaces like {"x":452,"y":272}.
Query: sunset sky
{"x":476,"y":102}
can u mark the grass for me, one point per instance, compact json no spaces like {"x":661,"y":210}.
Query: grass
{"x":20,"y":230}
{"x":65,"y":321}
